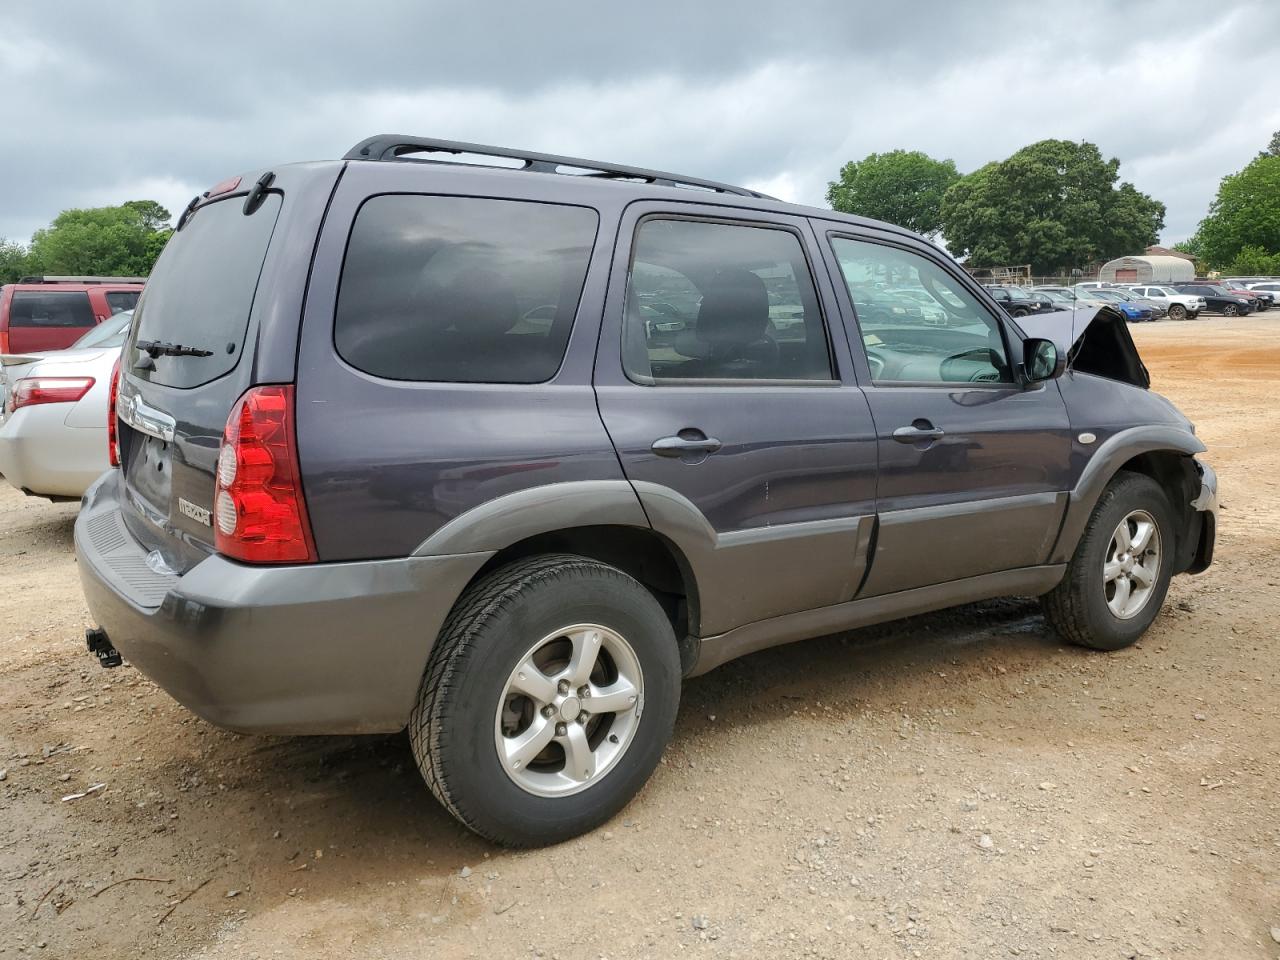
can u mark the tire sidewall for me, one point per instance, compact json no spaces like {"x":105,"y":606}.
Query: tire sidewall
{"x":467,"y":757}
{"x":1177,"y":312}
{"x":1135,"y":493}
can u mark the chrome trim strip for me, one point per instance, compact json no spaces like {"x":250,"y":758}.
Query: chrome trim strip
{"x":135,"y":411}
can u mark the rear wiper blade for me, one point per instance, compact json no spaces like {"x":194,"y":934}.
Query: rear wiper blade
{"x":158,"y":348}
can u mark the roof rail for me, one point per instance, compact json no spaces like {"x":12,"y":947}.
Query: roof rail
{"x":392,"y":146}
{"x":52,"y":279}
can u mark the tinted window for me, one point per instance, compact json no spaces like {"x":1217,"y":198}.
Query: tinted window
{"x":202,"y":288}
{"x":941,"y":334}
{"x":119,"y":300}
{"x":715,"y":301}
{"x":462,"y":289}
{"x":38,"y":308}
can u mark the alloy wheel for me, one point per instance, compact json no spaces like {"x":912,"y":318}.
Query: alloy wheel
{"x":1132,"y":564}
{"x":569,"y":710}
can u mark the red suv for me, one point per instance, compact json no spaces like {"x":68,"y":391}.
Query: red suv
{"x":52,"y":313}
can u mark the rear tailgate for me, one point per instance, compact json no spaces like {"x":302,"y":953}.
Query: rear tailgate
{"x":222,"y":281}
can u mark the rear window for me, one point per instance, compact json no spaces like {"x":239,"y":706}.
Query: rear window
{"x":202,"y":288}
{"x":462,"y":289}
{"x":38,"y":308}
{"x":121,"y":300}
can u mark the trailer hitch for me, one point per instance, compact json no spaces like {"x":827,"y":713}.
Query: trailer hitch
{"x":100,"y":646}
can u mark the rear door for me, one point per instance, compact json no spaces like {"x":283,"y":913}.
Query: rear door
{"x":734,"y":409}
{"x":973,"y":468}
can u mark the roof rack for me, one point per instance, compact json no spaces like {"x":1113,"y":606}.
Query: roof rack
{"x":52,"y":279}
{"x":392,"y":146}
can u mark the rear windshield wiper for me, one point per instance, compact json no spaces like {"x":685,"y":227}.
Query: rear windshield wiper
{"x":158,"y":348}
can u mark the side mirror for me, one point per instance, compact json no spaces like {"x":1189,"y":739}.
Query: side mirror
{"x":1041,"y":360}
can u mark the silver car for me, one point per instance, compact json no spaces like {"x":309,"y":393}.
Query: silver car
{"x":53,"y":428}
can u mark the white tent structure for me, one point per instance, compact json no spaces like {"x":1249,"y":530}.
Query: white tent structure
{"x":1153,"y":269}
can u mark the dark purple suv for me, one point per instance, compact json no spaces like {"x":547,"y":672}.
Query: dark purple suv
{"x":503,"y":455}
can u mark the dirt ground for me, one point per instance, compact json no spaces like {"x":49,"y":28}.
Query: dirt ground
{"x":959,"y":785}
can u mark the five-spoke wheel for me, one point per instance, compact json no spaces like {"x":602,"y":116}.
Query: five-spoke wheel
{"x":569,"y":710}
{"x":1132,"y":564}
{"x":548,"y":700}
{"x":1119,"y":574}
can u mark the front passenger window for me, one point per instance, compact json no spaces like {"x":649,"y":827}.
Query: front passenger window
{"x":918,"y":323}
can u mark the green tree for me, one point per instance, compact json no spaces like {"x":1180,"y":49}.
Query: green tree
{"x":1245,"y":213}
{"x":104,"y":241}
{"x":1273,"y":146}
{"x":903,"y":187}
{"x":13,"y":261}
{"x":1054,"y":204}
{"x":153,"y":216}
{"x":1253,"y":261}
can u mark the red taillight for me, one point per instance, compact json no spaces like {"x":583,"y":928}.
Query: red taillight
{"x":113,"y":439}
{"x":30,"y":391}
{"x":259,"y":514}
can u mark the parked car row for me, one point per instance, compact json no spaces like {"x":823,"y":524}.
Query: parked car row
{"x":1178,"y":301}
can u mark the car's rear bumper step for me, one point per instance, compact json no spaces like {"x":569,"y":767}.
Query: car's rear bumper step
{"x":314,"y":648}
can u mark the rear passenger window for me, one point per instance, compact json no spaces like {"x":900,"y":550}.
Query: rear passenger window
{"x":122,"y":300}
{"x":715,"y":301}
{"x":36,"y":308}
{"x":462,"y":289}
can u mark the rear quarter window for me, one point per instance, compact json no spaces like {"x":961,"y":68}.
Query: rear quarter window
{"x":122,"y":300}
{"x":40,"y":308}
{"x":461,"y":289}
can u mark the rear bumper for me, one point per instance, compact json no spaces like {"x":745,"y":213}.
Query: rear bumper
{"x":320,"y":648}
{"x":40,"y":454}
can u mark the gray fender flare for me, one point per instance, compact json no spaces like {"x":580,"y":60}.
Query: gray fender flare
{"x":1114,"y":452}
{"x":526,"y":513}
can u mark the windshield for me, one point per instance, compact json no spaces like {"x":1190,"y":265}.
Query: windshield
{"x":109,"y":333}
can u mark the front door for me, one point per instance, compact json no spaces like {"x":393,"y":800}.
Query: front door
{"x":973,"y":468}
{"x":733,"y":406}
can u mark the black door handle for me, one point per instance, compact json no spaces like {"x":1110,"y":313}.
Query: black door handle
{"x":919,"y":430}
{"x":692,"y":442}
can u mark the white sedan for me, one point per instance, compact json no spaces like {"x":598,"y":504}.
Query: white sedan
{"x":53,"y":424}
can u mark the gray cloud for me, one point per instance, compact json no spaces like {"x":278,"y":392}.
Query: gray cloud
{"x":109,"y":102}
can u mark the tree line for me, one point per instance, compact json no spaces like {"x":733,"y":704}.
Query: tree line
{"x":1060,"y":206}
{"x":121,"y":241}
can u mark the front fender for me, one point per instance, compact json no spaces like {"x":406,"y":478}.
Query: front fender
{"x":1106,"y":461}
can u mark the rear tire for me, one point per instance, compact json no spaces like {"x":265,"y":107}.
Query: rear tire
{"x":1118,"y":577}
{"x":506,"y":719}
{"x":1177,"y":312}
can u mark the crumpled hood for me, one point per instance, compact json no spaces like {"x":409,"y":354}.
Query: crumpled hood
{"x":1095,"y":339}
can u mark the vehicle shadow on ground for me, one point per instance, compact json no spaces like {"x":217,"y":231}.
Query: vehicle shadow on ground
{"x":362,"y":797}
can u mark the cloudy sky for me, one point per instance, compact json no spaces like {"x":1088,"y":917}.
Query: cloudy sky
{"x":159,"y":100}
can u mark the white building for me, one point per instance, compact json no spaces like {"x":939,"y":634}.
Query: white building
{"x":1152,"y":269}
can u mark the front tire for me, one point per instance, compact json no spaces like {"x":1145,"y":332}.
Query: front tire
{"x":1118,"y":577}
{"x":1177,"y":312}
{"x":548,"y":700}
{"x":1230,"y":310}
